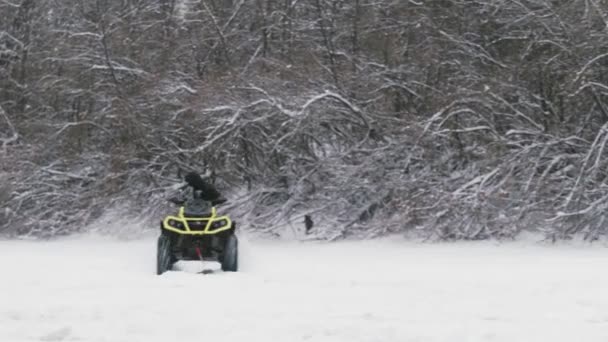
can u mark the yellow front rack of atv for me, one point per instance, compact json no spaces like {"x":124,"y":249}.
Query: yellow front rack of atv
{"x":180,"y":224}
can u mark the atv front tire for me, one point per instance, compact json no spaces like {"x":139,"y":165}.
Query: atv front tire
{"x":230,"y":256}
{"x":163,"y":255}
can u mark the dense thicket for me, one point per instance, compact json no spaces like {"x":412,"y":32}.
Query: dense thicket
{"x":456,"y":118}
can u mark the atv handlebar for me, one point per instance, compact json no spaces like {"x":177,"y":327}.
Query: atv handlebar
{"x":181,"y":202}
{"x":176,"y":201}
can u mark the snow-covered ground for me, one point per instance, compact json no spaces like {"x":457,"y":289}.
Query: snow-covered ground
{"x":99,"y":289}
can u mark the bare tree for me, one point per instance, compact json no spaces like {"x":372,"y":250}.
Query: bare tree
{"x":451,"y":119}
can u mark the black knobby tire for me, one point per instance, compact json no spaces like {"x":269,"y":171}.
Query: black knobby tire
{"x":163,"y":255}
{"x":230,"y":256}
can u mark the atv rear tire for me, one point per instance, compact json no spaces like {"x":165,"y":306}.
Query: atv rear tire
{"x":230,"y":256}
{"x":163,"y":255}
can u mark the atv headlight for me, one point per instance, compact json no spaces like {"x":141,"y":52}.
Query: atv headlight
{"x":219,"y":224}
{"x":176,"y":224}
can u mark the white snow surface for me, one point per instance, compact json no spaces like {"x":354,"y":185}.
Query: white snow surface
{"x":93,"y":288}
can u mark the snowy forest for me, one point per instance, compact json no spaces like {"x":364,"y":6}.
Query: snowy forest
{"x":450,"y":119}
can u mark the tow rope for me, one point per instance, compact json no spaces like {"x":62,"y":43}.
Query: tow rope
{"x":200,"y":256}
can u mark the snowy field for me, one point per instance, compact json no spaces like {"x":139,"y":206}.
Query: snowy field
{"x":99,"y":289}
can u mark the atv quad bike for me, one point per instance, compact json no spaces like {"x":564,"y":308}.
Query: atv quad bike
{"x":197,"y":233}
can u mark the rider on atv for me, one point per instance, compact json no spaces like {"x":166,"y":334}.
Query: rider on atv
{"x":201,"y":190}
